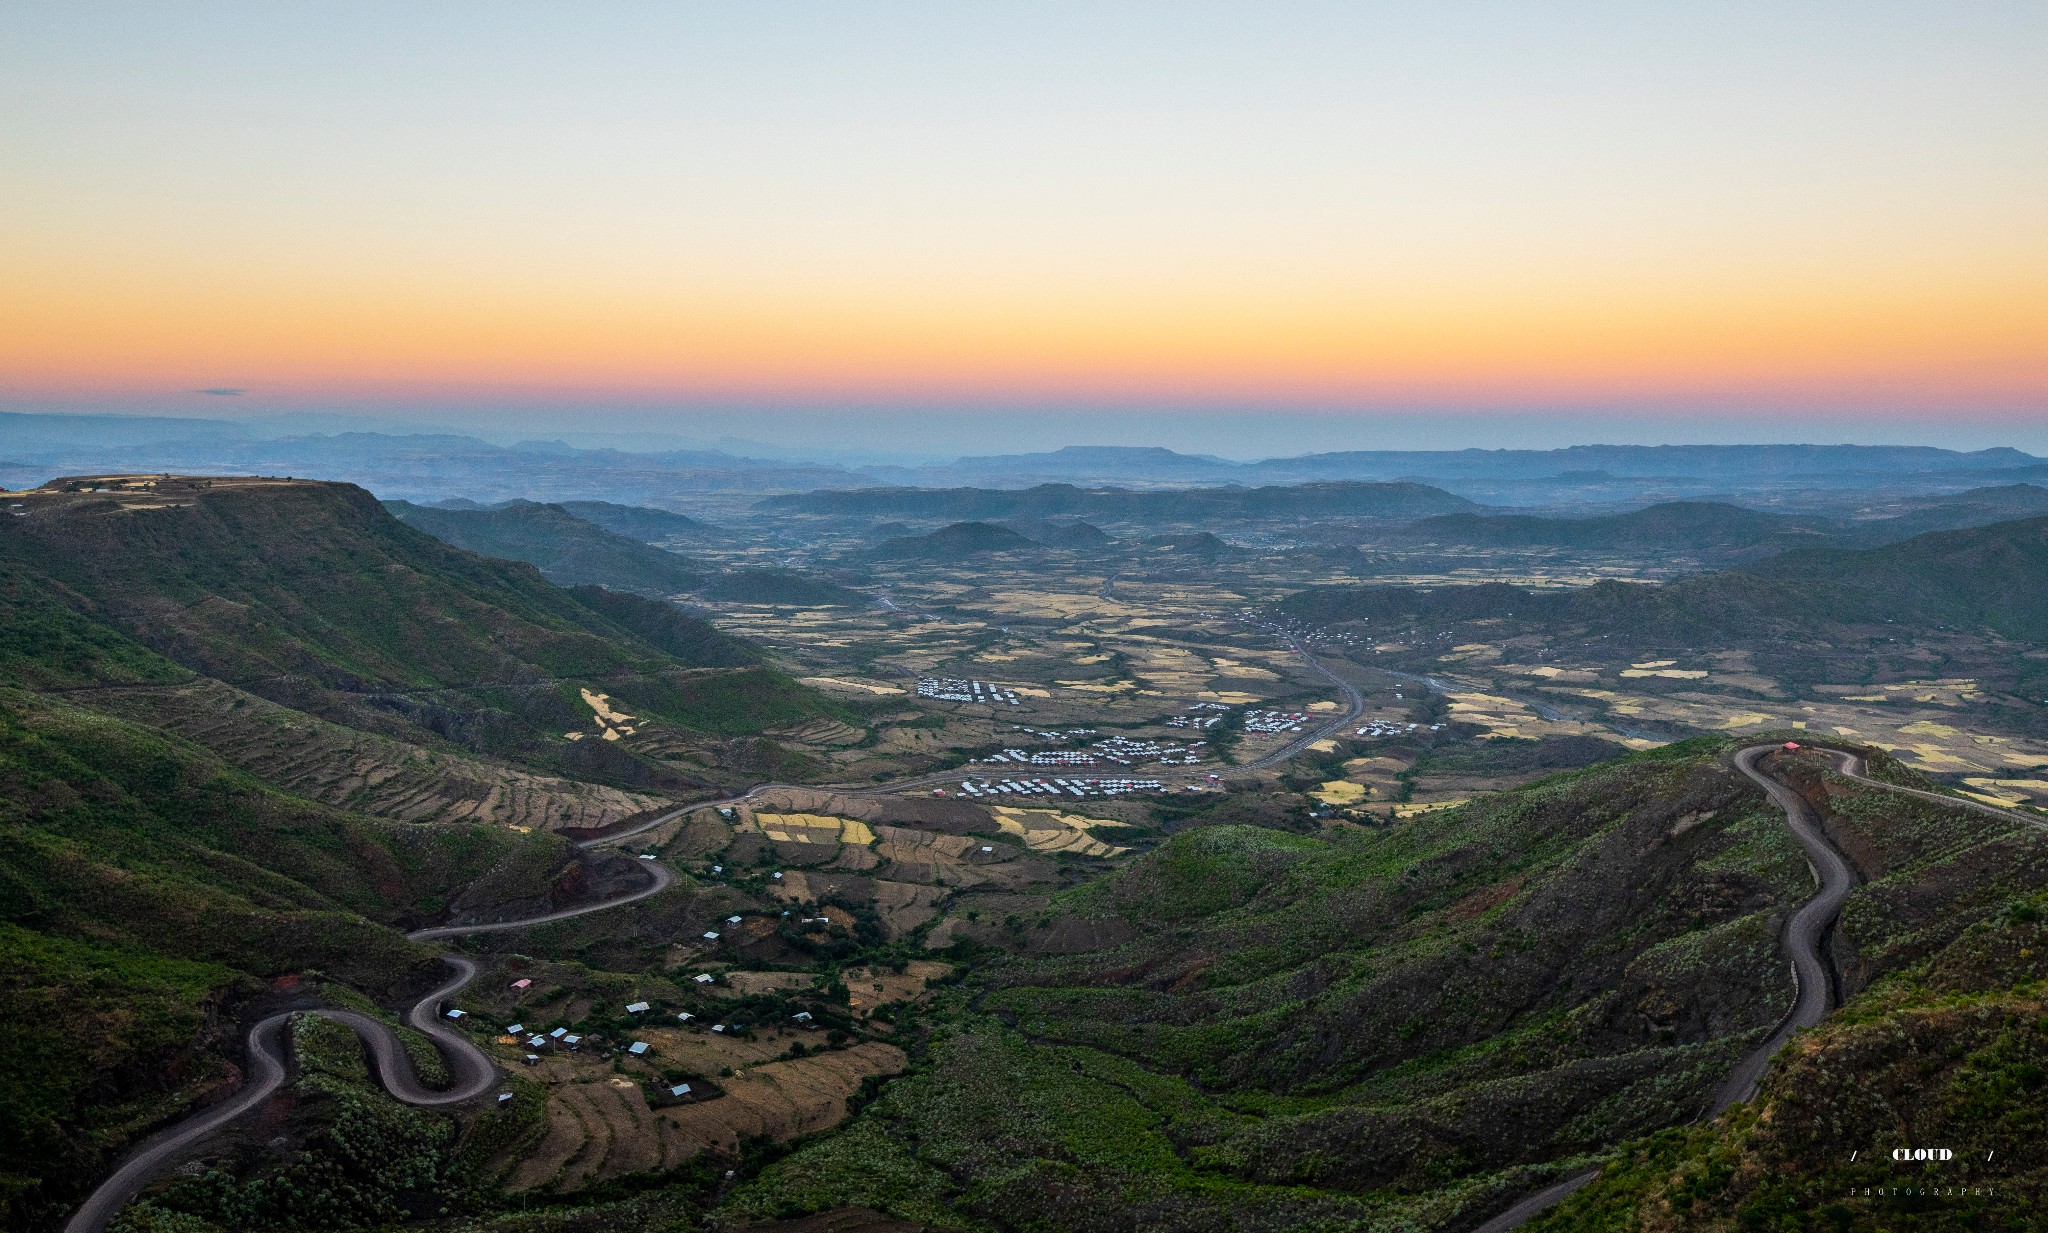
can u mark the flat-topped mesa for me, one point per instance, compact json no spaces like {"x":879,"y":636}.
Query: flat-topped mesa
{"x":146,"y":489}
{"x":310,"y":593}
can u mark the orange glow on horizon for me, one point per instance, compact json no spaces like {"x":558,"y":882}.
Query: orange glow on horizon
{"x":1984,"y":347}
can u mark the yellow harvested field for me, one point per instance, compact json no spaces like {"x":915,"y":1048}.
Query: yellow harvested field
{"x":813,"y":828}
{"x":798,"y":827}
{"x":1991,"y":798}
{"x":1506,"y":717}
{"x":843,"y":683}
{"x":1421,"y":807}
{"x":1550,"y":673}
{"x":1469,"y":653}
{"x":1748,"y":719}
{"x":1231,"y":667}
{"x":611,"y":723}
{"x":1045,"y":830}
{"x":1341,"y":792}
{"x":600,"y":1126}
{"x":1683,"y":674}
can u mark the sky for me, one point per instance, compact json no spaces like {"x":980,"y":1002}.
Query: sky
{"x":1450,"y":223}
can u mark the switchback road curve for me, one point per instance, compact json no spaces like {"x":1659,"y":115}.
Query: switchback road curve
{"x":1803,"y":941}
{"x":1805,"y":936}
{"x":471,"y":1072}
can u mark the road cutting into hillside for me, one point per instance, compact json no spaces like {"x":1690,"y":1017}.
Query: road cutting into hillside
{"x":1805,"y":938}
{"x":1851,"y":766}
{"x":1804,"y":942}
{"x":471,"y":1073}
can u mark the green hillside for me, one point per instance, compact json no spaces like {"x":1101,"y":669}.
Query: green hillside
{"x":147,"y":890}
{"x":1403,"y":1028}
{"x":567,"y":549}
{"x":1673,"y":524}
{"x":312,"y":595}
{"x":1948,"y":1046}
{"x":780,"y":586}
{"x":649,"y":526}
{"x":155,"y":893}
{"x":1992,"y":577}
{"x":668,"y":628}
{"x":952,"y":543}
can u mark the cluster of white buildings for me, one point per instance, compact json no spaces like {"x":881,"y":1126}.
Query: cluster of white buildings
{"x":1046,"y":757}
{"x":1125,"y":750}
{"x":952,"y":689}
{"x":1382,"y":728}
{"x":1274,"y":721}
{"x":1069,"y":734}
{"x":1057,"y":787}
{"x":1198,"y":722}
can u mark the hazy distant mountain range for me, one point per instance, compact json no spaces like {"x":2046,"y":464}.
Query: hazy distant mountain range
{"x":428,"y":467}
{"x":1402,"y":500}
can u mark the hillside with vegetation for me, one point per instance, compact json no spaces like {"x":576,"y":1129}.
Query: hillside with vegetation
{"x":1672,"y":524}
{"x":780,"y":586}
{"x":1384,"y":1030}
{"x":262,"y":728}
{"x":312,"y":596}
{"x":641,"y":522}
{"x":1123,"y":505}
{"x":567,"y":549}
{"x":250,"y":732}
{"x":1946,"y":1045}
{"x":1991,"y":577}
{"x":952,"y":543}
{"x":151,"y":893}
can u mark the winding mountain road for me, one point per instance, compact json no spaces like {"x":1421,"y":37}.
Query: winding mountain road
{"x":471,"y":1072}
{"x":1805,"y":937}
{"x":1804,"y":942}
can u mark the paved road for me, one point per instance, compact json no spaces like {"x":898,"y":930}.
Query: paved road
{"x":471,"y":1072}
{"x":1530,"y":1206}
{"x":1803,"y":941}
{"x":1850,"y":766}
{"x":1805,"y":935}
{"x":1354,"y":706}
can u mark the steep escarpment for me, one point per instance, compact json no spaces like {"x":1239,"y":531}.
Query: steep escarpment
{"x":312,"y":596}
